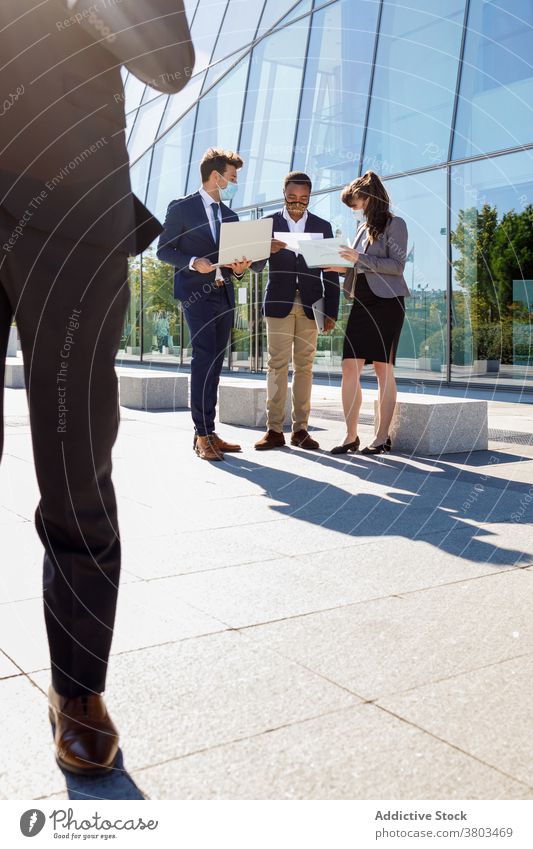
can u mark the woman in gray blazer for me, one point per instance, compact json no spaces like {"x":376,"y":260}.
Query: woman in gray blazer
{"x":377,"y":287}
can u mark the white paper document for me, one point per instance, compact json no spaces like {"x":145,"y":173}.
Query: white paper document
{"x":324,"y":252}
{"x":292,"y":239}
{"x":250,"y":239}
{"x":318,"y":312}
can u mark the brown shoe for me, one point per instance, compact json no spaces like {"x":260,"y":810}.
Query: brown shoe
{"x":207,"y":449}
{"x":302,"y":439}
{"x":85,"y":736}
{"x":222,"y":445}
{"x":271,"y":439}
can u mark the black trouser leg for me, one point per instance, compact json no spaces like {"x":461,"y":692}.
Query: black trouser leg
{"x":70,"y":308}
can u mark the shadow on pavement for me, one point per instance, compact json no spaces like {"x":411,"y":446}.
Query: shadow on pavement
{"x":425,"y":498}
{"x":117,"y":784}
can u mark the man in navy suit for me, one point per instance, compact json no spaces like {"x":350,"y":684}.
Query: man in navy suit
{"x":190,"y":242}
{"x":292,"y":331}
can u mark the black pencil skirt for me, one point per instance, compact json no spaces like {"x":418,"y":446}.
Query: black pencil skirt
{"x":374,"y":325}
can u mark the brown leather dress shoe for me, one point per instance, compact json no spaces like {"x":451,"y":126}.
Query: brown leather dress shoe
{"x":85,"y":736}
{"x":222,"y":445}
{"x":207,"y":448}
{"x":271,"y":439}
{"x":302,"y":439}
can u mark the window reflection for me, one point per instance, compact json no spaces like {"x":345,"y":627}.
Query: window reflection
{"x":335,"y":92}
{"x":496,"y":94}
{"x":414,"y":85}
{"x":492,"y":234}
{"x":271,"y":109}
{"x":146,"y":126}
{"x":169,"y":166}
{"x":219,"y":118}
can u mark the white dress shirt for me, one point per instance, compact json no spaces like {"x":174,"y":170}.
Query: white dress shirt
{"x":295,"y":226}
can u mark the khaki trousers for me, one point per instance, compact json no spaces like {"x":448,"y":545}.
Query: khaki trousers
{"x":293,"y":337}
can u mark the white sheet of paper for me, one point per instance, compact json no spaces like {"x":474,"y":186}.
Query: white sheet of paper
{"x":320,"y":254}
{"x":250,"y":239}
{"x":292,"y":239}
{"x":318,"y":312}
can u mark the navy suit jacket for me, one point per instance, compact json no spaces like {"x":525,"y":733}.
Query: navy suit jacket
{"x":284,"y":267}
{"x":187,"y":233}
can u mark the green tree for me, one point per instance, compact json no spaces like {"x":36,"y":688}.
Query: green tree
{"x":474,"y":238}
{"x":512,"y":255}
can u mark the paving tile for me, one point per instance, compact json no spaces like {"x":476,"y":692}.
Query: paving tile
{"x":486,"y":713}
{"x":9,"y":517}
{"x":176,"y":518}
{"x":356,"y":753}
{"x":176,"y":699}
{"x":292,"y":586}
{"x":23,"y":634}
{"x":21,"y":573}
{"x":7,"y":668}
{"x":381,"y":647}
{"x":18,"y":486}
{"x":149,"y":614}
{"x":28,"y":768}
{"x":162,"y":556}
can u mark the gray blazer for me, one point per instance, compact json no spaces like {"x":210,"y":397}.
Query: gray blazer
{"x":382,"y":261}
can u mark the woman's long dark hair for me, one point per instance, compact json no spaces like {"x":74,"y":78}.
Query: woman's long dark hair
{"x":377,"y":212}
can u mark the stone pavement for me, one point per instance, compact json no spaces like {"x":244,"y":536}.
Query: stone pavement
{"x":293,"y":625}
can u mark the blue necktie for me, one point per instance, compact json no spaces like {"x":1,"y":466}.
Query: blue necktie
{"x":215,"y":207}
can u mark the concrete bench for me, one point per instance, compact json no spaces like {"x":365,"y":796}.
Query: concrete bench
{"x":14,"y":373}
{"x":426,"y":424}
{"x":246,"y":405}
{"x":145,"y":391}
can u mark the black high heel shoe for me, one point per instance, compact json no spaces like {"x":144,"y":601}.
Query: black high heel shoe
{"x":384,"y":448}
{"x":348,"y":447}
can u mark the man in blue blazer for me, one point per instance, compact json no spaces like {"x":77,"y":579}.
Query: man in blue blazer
{"x":292,"y":331}
{"x":190,"y":242}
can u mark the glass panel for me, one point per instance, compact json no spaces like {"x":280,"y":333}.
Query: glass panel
{"x":139,"y":175}
{"x":134,"y":90}
{"x":269,"y":123}
{"x":181,"y":101}
{"x":130,"y":344}
{"x":190,"y":9}
{"x":238,"y":27}
{"x":275,"y":10}
{"x":414,"y":85}
{"x":162,"y":313}
{"x":146,"y":127}
{"x":496,"y":93}
{"x":130,"y":121}
{"x":150,"y":94}
{"x":492,"y":234}
{"x":169,"y":166}
{"x":335,"y":94}
{"x":205,"y":29}
{"x":220,"y":67}
{"x":421,"y":201}
{"x":219,"y":119}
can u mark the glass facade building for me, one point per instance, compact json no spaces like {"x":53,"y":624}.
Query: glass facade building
{"x":434,"y":95}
